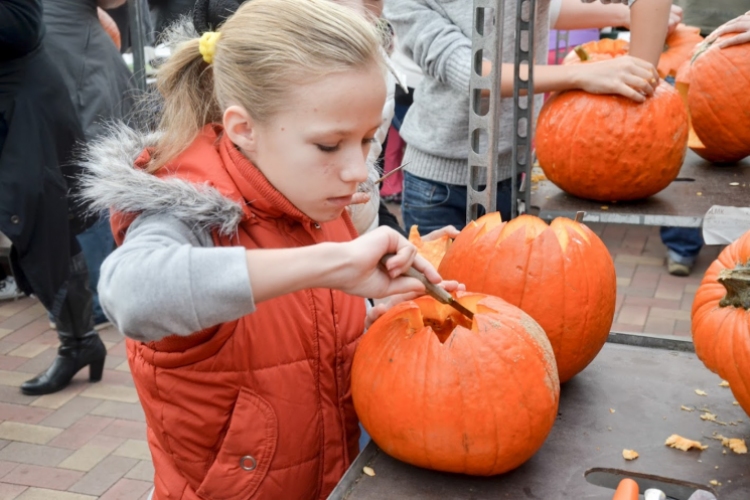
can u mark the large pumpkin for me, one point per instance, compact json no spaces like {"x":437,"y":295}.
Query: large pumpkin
{"x":439,"y":391}
{"x":600,"y":50}
{"x":561,"y":275}
{"x":721,"y":318}
{"x":610,"y":148}
{"x":678,"y":48}
{"x":719,"y":101}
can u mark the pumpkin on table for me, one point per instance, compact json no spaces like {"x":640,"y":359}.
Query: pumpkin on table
{"x":678,"y":48}
{"x":439,"y":391}
{"x":599,"y":50}
{"x":433,"y":250}
{"x":609,"y":148}
{"x":561,"y":274}
{"x":721,"y":318}
{"x":719,"y":101}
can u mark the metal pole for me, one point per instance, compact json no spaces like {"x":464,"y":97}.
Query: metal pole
{"x":484,"y":113}
{"x":135,"y":18}
{"x":523,"y":108}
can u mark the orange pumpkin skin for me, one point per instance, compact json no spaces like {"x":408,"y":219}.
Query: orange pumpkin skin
{"x":610,"y":148}
{"x":562,"y":275}
{"x":481,"y":402}
{"x":600,"y":50}
{"x":109,"y":26}
{"x":678,"y":48}
{"x":721,"y":319}
{"x":719,"y":101}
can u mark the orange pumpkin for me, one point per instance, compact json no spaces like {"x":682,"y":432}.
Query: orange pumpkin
{"x":721,"y":318}
{"x":561,"y":275}
{"x":719,"y":101}
{"x":109,"y":26}
{"x":599,"y":50}
{"x":436,"y":390}
{"x":682,"y":84}
{"x":610,"y":148}
{"x":678,"y":48}
{"x":433,"y":250}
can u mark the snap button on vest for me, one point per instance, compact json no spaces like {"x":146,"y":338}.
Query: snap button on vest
{"x":15,"y":219}
{"x":248,"y":463}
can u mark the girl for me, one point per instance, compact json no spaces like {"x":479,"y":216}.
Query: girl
{"x":236,"y":255}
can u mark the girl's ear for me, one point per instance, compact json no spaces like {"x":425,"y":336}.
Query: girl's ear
{"x":241,"y":128}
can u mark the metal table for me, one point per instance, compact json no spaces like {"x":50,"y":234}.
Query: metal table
{"x":645,"y":387}
{"x":678,"y":205}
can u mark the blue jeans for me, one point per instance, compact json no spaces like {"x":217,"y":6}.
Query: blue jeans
{"x":683,"y":243}
{"x":97,"y":243}
{"x":364,"y":438}
{"x":432,"y":205}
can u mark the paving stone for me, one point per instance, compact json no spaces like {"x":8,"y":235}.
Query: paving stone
{"x":29,"y":350}
{"x":112,"y":362}
{"x":28,"y":433}
{"x":69,"y":413}
{"x":623,"y":281}
{"x":144,"y":471}
{"x":44,"y":494}
{"x":669,"y":291}
{"x":81,"y":432}
{"x":133,"y":448}
{"x":111,"y":392}
{"x":11,"y":362}
{"x":11,"y":491}
{"x":34,"y":454}
{"x":635,"y":300}
{"x":6,"y":346}
{"x":658,"y":312}
{"x":639,"y":260}
{"x":13,"y":379}
{"x":127,"y":429}
{"x":23,"y":413}
{"x":659,"y":326}
{"x":123,"y":367}
{"x":58,"y":399}
{"x":10,"y":394}
{"x":43,"y":477}
{"x":103,"y":476}
{"x":116,"y":409}
{"x":85,"y":458}
{"x":29,"y":332}
{"x":22,"y":318}
{"x":40,"y":362}
{"x":6,"y":467}
{"x":632,"y":315}
{"x":118,"y":378}
{"x":127,"y":489}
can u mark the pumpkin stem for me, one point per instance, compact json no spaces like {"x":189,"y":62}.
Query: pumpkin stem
{"x":582,"y":54}
{"x":737,"y":283}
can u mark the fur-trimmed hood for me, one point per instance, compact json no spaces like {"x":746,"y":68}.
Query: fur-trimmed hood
{"x":112,"y":182}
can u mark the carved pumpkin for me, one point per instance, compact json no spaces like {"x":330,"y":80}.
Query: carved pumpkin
{"x":561,"y":275}
{"x":719,"y":101}
{"x":433,"y":250}
{"x":682,"y":84}
{"x":721,"y":318}
{"x":436,"y":390}
{"x":610,"y":148}
{"x":678,"y":48}
{"x":600,"y":50}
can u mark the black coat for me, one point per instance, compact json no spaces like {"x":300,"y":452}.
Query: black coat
{"x":39,"y":130}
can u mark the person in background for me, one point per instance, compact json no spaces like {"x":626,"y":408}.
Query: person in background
{"x":39,"y":129}
{"x":437,"y":35}
{"x":684,"y":243}
{"x":100,"y":87}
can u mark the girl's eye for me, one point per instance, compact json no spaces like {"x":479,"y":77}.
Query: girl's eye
{"x":327,"y":149}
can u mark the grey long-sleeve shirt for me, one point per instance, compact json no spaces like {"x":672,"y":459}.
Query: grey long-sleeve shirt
{"x":167,"y":278}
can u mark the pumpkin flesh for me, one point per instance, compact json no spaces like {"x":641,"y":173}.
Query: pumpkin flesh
{"x":438,"y":391}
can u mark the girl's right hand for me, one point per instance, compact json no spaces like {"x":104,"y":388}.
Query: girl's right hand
{"x":360,"y":272}
{"x":627,"y":76}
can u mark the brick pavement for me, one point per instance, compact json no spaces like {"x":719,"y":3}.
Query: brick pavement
{"x":88,"y":441}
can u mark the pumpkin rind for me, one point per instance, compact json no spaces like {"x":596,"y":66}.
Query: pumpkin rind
{"x":481,"y":403}
{"x":609,"y":148}
{"x":719,"y":101}
{"x":678,"y":48}
{"x":562,"y":275}
{"x":721,"y":333}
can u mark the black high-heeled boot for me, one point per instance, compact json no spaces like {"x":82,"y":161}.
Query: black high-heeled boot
{"x":80,"y":345}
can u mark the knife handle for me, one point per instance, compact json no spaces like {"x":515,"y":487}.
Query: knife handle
{"x":436,"y":292}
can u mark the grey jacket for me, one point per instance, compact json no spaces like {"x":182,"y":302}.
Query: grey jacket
{"x":437,"y":35}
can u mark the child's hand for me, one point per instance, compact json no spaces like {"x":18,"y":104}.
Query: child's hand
{"x":439,"y":233}
{"x":379,"y":309}
{"x":739,"y":25}
{"x":627,"y":76}
{"x":360,"y":272}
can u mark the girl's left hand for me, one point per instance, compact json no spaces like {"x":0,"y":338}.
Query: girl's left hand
{"x":740,"y":25}
{"x":379,"y":309}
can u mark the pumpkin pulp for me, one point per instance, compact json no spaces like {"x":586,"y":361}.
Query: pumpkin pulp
{"x":737,"y":283}
{"x":444,"y":319}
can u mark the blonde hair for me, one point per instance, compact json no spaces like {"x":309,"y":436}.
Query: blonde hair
{"x":265,"y":49}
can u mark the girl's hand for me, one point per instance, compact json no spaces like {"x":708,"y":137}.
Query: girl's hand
{"x":379,"y":309}
{"x":739,"y":25}
{"x":675,"y":18}
{"x":359,"y":271}
{"x":439,"y":233}
{"x":627,"y":76}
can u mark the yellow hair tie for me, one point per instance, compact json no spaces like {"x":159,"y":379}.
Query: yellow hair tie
{"x":207,"y":45}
